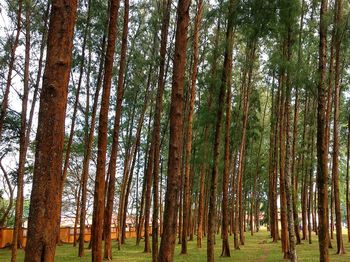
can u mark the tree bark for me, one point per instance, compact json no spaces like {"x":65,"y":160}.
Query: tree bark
{"x":23,"y":141}
{"x":335,"y":165}
{"x":99,"y":192}
{"x":188,"y":148}
{"x":204,"y":165}
{"x":89,"y":139}
{"x":167,"y":244}
{"x":45,"y":202}
{"x":114,"y":152}
{"x":156,"y":123}
{"x":322,"y":151}
{"x":225,"y":84}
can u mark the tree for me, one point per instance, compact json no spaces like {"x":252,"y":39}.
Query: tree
{"x":167,"y":243}
{"x":99,"y":192}
{"x":114,"y":153}
{"x":335,"y":164}
{"x":189,"y":133}
{"x":44,"y":213}
{"x":322,"y":152}
{"x":226,"y":75}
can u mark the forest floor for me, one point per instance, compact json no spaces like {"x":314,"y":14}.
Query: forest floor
{"x":258,"y":248}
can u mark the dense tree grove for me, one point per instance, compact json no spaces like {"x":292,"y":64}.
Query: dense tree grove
{"x":182,"y":119}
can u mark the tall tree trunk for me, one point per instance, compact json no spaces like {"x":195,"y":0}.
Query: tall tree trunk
{"x":114,"y":152}
{"x":309,"y":211}
{"x":99,"y":192}
{"x":156,"y":123}
{"x":167,"y":244}
{"x":255,"y":207}
{"x":250,"y":58}
{"x":204,"y":165}
{"x":77,"y":94}
{"x":144,"y":184}
{"x":282,"y":162}
{"x":225,"y":252}
{"x":322,"y":151}
{"x":335,"y":166}
{"x":89,"y":139}
{"x":186,"y":195}
{"x":45,"y":202}
{"x":287,"y":167}
{"x":23,"y":140}
{"x":225,"y":84}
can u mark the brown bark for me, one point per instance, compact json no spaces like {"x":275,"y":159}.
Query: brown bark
{"x":76,"y":101}
{"x":335,"y":165}
{"x":204,"y":165}
{"x":254,"y":209}
{"x":140,"y":222}
{"x":77,"y":212}
{"x":250,"y":58}
{"x":225,"y":252}
{"x":282,"y":161}
{"x":322,"y":151}
{"x":45,"y":204}
{"x":309,"y":211}
{"x":114,"y":151}
{"x":99,"y":192}
{"x":295,"y":133}
{"x":156,"y":130}
{"x":272,"y":167}
{"x":188,"y":148}
{"x":148,"y":182}
{"x":89,"y":139}
{"x":167,"y":244}
{"x":18,"y":233}
{"x":23,"y":142}
{"x":287,"y":168}
{"x":225,"y":84}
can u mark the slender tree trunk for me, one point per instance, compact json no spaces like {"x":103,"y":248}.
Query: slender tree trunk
{"x":148,"y":199}
{"x":45,"y":204}
{"x":89,"y":139}
{"x":114,"y":152}
{"x":77,"y":213}
{"x":156,"y":130}
{"x":23,"y":141}
{"x":282,"y":160}
{"x":167,"y":244}
{"x":287,"y":167}
{"x":225,"y":252}
{"x":204,"y":165}
{"x":225,"y":84}
{"x":99,"y":192}
{"x":322,"y":151}
{"x":144,"y":184}
{"x":186,"y":197}
{"x":250,"y":58}
{"x":335,"y":166}
{"x":254,"y":207}
{"x":311,"y":187}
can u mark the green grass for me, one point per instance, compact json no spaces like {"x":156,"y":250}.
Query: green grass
{"x":258,"y":248}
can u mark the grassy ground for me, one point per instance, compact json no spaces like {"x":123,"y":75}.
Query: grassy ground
{"x":258,"y":248}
